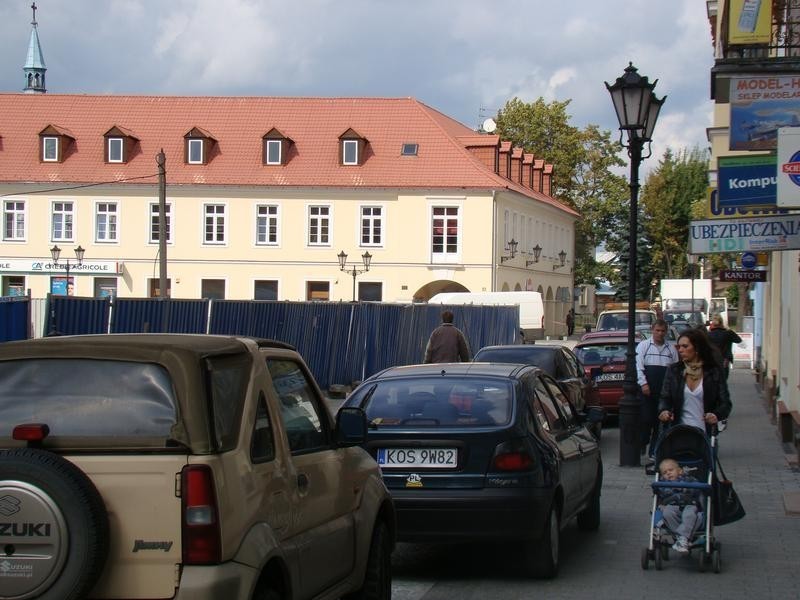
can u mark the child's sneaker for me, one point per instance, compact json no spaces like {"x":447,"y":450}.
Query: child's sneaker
{"x":681,"y":545}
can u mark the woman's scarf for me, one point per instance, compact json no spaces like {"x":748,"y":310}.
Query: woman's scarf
{"x":694,"y":370}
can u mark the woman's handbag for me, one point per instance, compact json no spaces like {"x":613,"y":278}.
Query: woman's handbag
{"x":726,"y":506}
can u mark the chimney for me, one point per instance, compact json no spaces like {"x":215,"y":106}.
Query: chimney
{"x":516,"y":165}
{"x":538,"y":169}
{"x":527,"y":170}
{"x":547,"y":180}
{"x":505,"y":160}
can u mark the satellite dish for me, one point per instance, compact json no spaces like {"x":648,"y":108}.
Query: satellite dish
{"x":489,"y":125}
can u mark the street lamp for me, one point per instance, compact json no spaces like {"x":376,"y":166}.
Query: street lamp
{"x":637,"y":111}
{"x":562,"y":260}
{"x":55,"y":254}
{"x":366,"y":258}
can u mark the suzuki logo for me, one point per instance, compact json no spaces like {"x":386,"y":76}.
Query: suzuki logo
{"x":9,"y":505}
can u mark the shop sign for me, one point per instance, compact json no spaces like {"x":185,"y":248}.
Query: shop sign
{"x":87,"y":267}
{"x":760,"y":106}
{"x":742,"y":276}
{"x":742,"y":235}
{"x":747,"y":180}
{"x":789,"y":167}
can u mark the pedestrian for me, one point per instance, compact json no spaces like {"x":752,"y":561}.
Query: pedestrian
{"x":570,"y":319}
{"x":695,"y":391}
{"x":724,"y":339}
{"x":447,"y":343}
{"x":653,"y":356}
{"x":680,"y":507}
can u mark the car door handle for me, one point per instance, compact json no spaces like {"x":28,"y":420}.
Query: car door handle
{"x":302,"y":482}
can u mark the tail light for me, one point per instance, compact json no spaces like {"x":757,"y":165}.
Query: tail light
{"x":200,"y":530}
{"x":513,"y":456}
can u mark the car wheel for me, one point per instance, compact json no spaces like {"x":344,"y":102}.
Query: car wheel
{"x":267,"y":592}
{"x":543,"y":554}
{"x":62,"y":526}
{"x":378,"y":578}
{"x":589,"y":517}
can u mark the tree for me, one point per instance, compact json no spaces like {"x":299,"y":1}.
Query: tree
{"x":582,"y":161}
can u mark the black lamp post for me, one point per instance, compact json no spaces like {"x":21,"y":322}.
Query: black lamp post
{"x":55,"y":254}
{"x":366,"y":258}
{"x":637,"y":111}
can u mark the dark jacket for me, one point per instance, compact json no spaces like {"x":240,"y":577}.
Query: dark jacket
{"x":447,"y":344}
{"x":723,"y":339}
{"x":680,"y":496}
{"x":716,"y":397}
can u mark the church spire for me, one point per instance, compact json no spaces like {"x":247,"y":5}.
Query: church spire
{"x":34,"y":68}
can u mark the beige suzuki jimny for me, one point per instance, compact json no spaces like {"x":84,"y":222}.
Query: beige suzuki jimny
{"x":182,"y":466}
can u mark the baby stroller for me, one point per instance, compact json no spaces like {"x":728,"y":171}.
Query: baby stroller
{"x":697,"y":454}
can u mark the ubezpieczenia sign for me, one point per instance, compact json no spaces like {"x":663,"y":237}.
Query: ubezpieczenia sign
{"x":742,"y":235}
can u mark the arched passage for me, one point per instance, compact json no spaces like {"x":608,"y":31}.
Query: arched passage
{"x":430,"y":289}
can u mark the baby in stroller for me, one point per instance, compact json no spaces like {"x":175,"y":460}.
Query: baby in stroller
{"x":681,"y":508}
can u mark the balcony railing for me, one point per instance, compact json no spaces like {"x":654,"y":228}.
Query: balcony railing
{"x":784,"y":41}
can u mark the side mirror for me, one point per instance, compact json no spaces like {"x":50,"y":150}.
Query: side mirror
{"x":351,"y":426}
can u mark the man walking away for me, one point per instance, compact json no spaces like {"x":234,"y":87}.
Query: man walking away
{"x":570,"y":321}
{"x":653,"y":356}
{"x":447,"y":343}
{"x":723,"y":339}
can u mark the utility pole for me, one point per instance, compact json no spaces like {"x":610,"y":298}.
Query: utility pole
{"x":161,"y":160}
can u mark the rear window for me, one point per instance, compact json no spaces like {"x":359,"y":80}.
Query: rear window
{"x":522,"y":354}
{"x":601,"y":354}
{"x":431,"y":402}
{"x":115,"y":400}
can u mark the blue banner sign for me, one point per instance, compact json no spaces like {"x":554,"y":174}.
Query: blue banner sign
{"x":747,"y":181}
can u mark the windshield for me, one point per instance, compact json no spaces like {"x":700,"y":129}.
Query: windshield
{"x":523,"y":354}
{"x":592,"y":356}
{"x":432,"y":402}
{"x":617,"y":321}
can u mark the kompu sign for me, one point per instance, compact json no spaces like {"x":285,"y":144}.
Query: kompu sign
{"x":742,"y":235}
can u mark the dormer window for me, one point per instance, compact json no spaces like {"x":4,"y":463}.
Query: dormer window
{"x":54,"y":143}
{"x":119,"y":144}
{"x":197,"y":146}
{"x":352,"y":148}
{"x":275,"y":147}
{"x":409,"y":149}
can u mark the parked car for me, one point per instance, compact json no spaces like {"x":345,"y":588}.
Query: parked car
{"x":557,"y":361}
{"x":483,"y":451}
{"x":603,"y":355}
{"x":183,"y":466}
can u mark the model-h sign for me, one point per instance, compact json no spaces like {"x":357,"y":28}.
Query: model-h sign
{"x":739,"y":276}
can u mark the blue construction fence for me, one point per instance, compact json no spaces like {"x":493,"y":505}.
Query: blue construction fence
{"x":342,"y":342}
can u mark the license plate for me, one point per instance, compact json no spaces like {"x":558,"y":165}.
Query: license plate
{"x":610,"y":377}
{"x":436,"y":458}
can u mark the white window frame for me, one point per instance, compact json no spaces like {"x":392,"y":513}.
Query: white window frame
{"x":270,"y":216}
{"x":106,"y":213}
{"x":67,"y":220}
{"x":119,"y":143}
{"x":15,"y":212}
{"x":270,"y":145}
{"x":215,"y":217}
{"x":46,"y":156}
{"x":194,"y":142}
{"x":349,"y":144}
{"x":446,"y":207}
{"x":372,"y":222}
{"x":152,"y":223}
{"x":321,"y":222}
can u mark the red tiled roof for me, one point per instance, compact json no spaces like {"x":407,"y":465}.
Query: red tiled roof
{"x":238,"y":125}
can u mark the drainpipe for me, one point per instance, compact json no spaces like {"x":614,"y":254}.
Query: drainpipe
{"x":494,"y":240}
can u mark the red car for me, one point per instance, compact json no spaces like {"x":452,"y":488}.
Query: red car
{"x":603,"y":355}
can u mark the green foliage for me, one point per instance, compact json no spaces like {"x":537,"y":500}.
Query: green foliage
{"x":582,"y":161}
{"x":732,"y":294}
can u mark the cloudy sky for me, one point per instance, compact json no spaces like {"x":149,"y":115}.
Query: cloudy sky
{"x":463,"y":57}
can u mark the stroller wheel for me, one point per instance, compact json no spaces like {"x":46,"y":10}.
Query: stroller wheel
{"x":664,"y":551}
{"x":702,"y":560}
{"x":716,"y":560}
{"x":659,"y":556}
{"x":645,"y":558}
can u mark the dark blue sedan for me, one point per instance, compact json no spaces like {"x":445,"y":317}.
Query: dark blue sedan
{"x":481,"y":451}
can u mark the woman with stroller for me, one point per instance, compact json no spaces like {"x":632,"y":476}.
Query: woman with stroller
{"x":695,"y":391}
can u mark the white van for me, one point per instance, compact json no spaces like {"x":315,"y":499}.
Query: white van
{"x":531,"y":307}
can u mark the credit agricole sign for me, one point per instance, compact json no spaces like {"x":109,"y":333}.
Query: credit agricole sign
{"x":780,"y":232}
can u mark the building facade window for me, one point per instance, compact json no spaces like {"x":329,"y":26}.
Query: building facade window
{"x":370,"y":291}
{"x":154,"y":223}
{"x":14,"y":220}
{"x":105,"y":287}
{"x":265,"y":289}
{"x":212,"y":289}
{"x":195,"y":152}
{"x":153,"y":289}
{"x":214,"y":224}
{"x":62,"y":220}
{"x":13,"y":285}
{"x":50,"y":149}
{"x":445,"y":234}
{"x":267,"y":224}
{"x":115,"y":146}
{"x":349,"y":152}
{"x":105,"y":229}
{"x":274,"y":152}
{"x":319,"y":223}
{"x":318,"y":291}
{"x":371,"y":226}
